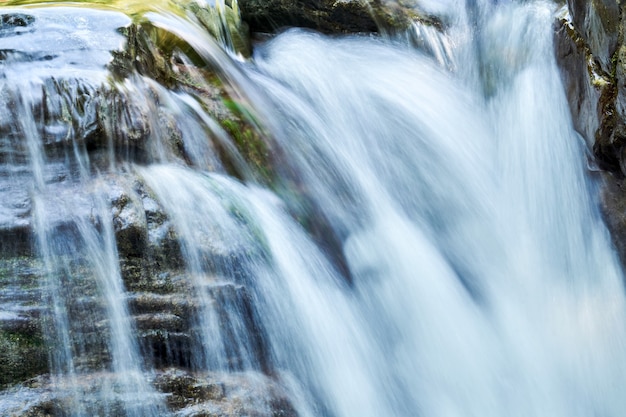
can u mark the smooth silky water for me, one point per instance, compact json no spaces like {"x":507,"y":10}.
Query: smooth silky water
{"x":463,"y":270}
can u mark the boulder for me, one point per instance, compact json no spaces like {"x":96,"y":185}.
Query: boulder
{"x":332,"y":17}
{"x":321,"y":15}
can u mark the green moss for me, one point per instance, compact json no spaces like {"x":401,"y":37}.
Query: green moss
{"x":251,"y":145}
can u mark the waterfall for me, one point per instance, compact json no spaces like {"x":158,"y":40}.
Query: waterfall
{"x":410,"y":231}
{"x":477,"y":255}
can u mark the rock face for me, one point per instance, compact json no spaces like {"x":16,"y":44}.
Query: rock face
{"x":23,"y":353}
{"x":588,"y":87}
{"x":78,"y":109}
{"x":587,"y":36}
{"x":591,"y":51}
{"x":325,"y":16}
{"x":598,"y":23}
{"x":329,"y":16}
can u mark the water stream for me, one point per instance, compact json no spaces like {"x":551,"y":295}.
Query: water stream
{"x":429,"y":243}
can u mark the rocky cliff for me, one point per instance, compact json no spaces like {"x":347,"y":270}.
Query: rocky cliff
{"x":591,"y":52}
{"x":78,"y":106}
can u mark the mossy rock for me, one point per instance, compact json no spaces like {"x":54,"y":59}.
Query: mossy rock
{"x":22,"y":356}
{"x":154,"y":53}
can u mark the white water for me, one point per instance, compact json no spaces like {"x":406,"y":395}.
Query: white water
{"x":481,"y":280}
{"x":484,"y":283}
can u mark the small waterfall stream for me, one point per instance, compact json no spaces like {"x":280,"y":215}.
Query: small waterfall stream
{"x":381,"y":226}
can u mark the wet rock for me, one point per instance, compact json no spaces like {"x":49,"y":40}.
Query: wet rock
{"x":238,"y":321}
{"x":164,"y":308}
{"x":33,"y":398}
{"x":168,"y":325}
{"x":22,"y":357}
{"x":613,"y":199}
{"x":178,"y":304}
{"x":327,"y":16}
{"x":165,"y":322}
{"x":53,"y":397}
{"x":591,"y":53}
{"x":14,"y":20}
{"x":185,"y":389}
{"x":267,"y":16}
{"x":129,"y":219}
{"x":12,"y":24}
{"x":186,"y":394}
{"x":68,"y":108}
{"x":227,"y":395}
{"x":23,"y":353}
{"x":616,"y":125}
{"x":162,"y":238}
{"x":15,"y":210}
{"x":225,"y":24}
{"x":597,"y":22}
{"x":588,"y":87}
{"x":588,"y":51}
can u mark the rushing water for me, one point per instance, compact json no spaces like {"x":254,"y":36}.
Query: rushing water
{"x":453,"y":262}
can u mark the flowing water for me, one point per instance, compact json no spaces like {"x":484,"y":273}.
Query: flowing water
{"x":430,"y":244}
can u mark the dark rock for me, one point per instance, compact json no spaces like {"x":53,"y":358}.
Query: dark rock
{"x":613,"y":199}
{"x":227,"y":395}
{"x":594,"y":82}
{"x":333,"y":17}
{"x":585,"y":83}
{"x":175,"y":303}
{"x":185,"y":388}
{"x":324,"y":16}
{"x":15,"y":19}
{"x":23,"y":353}
{"x":238,"y":321}
{"x":22,"y":357}
{"x":162,"y":238}
{"x":597,"y":21}
{"x":165,"y":322}
{"x":12,"y":24}
{"x":168,"y":324}
{"x":129,"y":219}
{"x":225,"y":23}
{"x":33,"y":398}
{"x":592,"y":57}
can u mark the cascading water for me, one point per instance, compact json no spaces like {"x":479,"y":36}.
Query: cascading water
{"x":428,"y":243}
{"x":469,"y":234}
